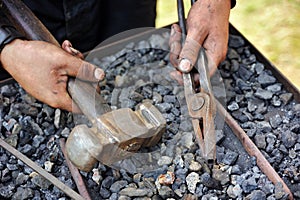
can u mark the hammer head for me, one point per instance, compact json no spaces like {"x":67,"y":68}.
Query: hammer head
{"x":115,"y":136}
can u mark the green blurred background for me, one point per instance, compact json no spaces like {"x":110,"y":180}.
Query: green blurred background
{"x":272,"y":26}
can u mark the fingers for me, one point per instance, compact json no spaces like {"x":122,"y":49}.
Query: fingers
{"x":83,"y":70}
{"x":57,"y":96}
{"x":79,"y":68}
{"x":67,"y":46}
{"x":213,"y":59}
{"x":197,"y":31}
{"x":216,"y":49}
{"x":177,"y":76}
{"x":66,"y":103}
{"x":190,"y":50}
{"x":175,"y":44}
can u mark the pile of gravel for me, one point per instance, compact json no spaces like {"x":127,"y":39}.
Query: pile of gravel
{"x":140,"y":72}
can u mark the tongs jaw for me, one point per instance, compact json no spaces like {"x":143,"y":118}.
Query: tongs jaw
{"x":201,"y":108}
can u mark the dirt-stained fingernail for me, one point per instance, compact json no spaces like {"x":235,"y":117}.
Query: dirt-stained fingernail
{"x":74,"y":51}
{"x":185,"y":65}
{"x":99,"y":74}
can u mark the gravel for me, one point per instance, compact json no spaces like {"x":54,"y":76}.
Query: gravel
{"x":261,"y":105}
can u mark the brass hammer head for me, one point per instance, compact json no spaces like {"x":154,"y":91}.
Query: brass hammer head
{"x":115,"y":136}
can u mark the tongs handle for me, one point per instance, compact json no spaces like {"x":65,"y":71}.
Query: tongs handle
{"x":181,"y":20}
{"x":200,"y":105}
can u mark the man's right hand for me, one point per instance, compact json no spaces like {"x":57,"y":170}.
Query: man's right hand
{"x":42,"y":69}
{"x":207,"y":27}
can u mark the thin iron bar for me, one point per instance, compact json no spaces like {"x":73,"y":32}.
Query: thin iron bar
{"x":75,"y":172}
{"x":71,"y":193}
{"x":252,"y":149}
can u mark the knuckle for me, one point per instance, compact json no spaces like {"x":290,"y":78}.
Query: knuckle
{"x":59,"y":59}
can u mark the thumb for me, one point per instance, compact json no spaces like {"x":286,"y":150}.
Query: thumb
{"x":84,"y":70}
{"x":189,"y":54}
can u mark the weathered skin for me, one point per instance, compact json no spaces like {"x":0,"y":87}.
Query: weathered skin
{"x":42,"y":69}
{"x":207,"y":26}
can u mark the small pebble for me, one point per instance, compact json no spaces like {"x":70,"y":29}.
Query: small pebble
{"x":48,"y":166}
{"x":286,"y":98}
{"x":233,"y":106}
{"x":191,"y":180}
{"x":96,"y":176}
{"x":164,"y":160}
{"x":166,"y":179}
{"x":263,"y":94}
{"x":195,"y":166}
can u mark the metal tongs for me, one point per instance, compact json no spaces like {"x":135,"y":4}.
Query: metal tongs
{"x":201,"y":105}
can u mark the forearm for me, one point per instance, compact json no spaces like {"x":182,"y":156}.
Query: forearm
{"x":7,"y":35}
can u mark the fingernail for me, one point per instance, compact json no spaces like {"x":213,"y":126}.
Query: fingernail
{"x":185,"y":65}
{"x":99,"y":74}
{"x":74,"y":51}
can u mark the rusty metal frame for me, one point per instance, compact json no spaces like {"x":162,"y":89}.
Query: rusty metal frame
{"x":252,"y":149}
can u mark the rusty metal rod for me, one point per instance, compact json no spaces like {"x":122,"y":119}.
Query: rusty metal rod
{"x":181,"y":20}
{"x":75,"y":173}
{"x":252,"y":149}
{"x":71,"y":193}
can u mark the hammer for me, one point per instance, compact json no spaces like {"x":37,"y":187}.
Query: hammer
{"x":115,"y":134}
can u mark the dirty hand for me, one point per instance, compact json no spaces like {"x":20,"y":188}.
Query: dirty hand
{"x":42,"y":69}
{"x":68,"y":47}
{"x":207,"y":26}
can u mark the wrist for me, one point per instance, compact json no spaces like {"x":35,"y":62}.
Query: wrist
{"x":8,"y":58}
{"x":6,"y":49}
{"x":7,"y":35}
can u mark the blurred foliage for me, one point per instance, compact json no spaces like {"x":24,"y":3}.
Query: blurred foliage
{"x":272,"y":26}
